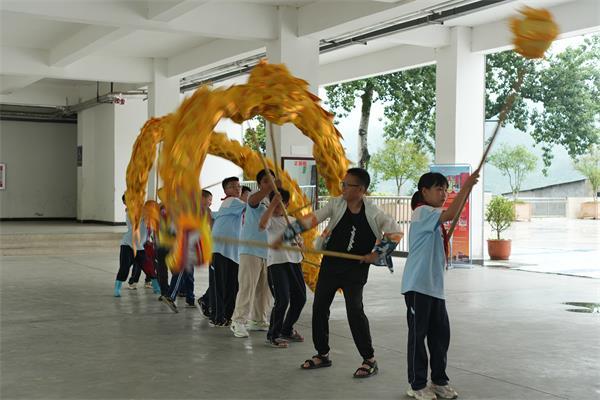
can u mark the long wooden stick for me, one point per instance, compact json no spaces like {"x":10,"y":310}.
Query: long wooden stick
{"x":297,"y":249}
{"x":503,"y":114}
{"x":275,"y":159}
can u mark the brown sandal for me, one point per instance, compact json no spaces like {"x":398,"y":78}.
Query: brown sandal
{"x":294,"y":337}
{"x":278,"y":343}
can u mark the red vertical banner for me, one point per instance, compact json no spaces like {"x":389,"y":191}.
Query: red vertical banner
{"x":461,"y":239}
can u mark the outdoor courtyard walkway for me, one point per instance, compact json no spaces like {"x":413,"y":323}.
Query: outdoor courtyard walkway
{"x":555,"y":245}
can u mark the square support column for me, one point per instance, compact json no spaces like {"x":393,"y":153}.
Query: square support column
{"x":163,"y":98}
{"x":301,"y":56}
{"x":460,"y":117}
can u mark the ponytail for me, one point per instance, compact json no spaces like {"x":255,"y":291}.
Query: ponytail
{"x":417,"y":198}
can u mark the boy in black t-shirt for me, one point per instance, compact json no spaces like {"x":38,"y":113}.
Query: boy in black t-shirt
{"x":355,"y":226}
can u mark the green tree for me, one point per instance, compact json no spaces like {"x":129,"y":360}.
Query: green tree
{"x":516,"y":163}
{"x":566,"y":93}
{"x":341,"y":98}
{"x":589,"y":166}
{"x":399,"y":160}
{"x":410,"y":108}
{"x":557,"y":104}
{"x":501,"y":72}
{"x":259,"y":133}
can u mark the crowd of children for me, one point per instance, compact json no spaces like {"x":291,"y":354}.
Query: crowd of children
{"x":244,"y":280}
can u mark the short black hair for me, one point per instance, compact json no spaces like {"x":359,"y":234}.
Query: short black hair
{"x":285,"y":195}
{"x":362,"y":175}
{"x":123,"y":198}
{"x":206,"y":193}
{"x":261,"y":174}
{"x":246,"y":189}
{"x":227,"y":181}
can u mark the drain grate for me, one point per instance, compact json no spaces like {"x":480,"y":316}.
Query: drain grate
{"x":588,"y":308}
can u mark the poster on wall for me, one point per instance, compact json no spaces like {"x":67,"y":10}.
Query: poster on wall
{"x":304,"y":172}
{"x":2,"y":176}
{"x":460,"y":245}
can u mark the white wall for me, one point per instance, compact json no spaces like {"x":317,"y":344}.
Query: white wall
{"x":41,"y":180}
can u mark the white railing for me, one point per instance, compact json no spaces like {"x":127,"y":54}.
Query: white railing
{"x":396,"y":206}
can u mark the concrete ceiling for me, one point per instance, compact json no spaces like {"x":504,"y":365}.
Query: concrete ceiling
{"x":117,"y":40}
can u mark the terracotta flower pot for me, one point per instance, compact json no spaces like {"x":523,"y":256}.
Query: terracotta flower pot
{"x":499,"y":249}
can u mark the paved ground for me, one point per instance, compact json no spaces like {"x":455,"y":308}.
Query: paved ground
{"x":45,"y":227}
{"x":63,"y":336}
{"x":555,"y":245}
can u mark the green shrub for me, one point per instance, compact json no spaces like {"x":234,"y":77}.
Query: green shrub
{"x":500,"y":214}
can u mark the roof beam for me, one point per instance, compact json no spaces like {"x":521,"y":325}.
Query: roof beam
{"x":575,"y":18}
{"x":10,"y":84}
{"x":427,"y":36}
{"x":328,"y":19}
{"x":33,"y":62}
{"x":84,"y":43}
{"x":376,"y":63}
{"x":212,"y":54}
{"x":244,"y":21}
{"x":170,"y":10}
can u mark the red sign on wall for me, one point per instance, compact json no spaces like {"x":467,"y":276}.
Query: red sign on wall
{"x":461,"y":239}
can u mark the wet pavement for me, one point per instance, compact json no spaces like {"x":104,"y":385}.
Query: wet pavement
{"x":554,"y":245}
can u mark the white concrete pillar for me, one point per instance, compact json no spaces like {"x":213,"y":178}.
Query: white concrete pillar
{"x":301,"y":56}
{"x":163,"y":98}
{"x":460,"y":117}
{"x":129,"y":119}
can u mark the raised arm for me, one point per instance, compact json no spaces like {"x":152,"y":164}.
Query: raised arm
{"x":457,"y":203}
{"x":256,"y":198}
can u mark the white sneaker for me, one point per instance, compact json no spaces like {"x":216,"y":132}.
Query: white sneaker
{"x":239,"y":329}
{"x":148,"y":285}
{"x":132,"y":286}
{"x":423,"y":394}
{"x":258,"y":326}
{"x":444,"y":392}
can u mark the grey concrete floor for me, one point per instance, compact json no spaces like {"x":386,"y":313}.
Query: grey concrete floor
{"x":63,"y":336}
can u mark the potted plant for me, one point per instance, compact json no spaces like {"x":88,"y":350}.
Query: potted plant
{"x":500,"y":214}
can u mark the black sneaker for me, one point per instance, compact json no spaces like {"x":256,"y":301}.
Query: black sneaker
{"x":170,"y":303}
{"x":204,"y":308}
{"x":220,"y":324}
